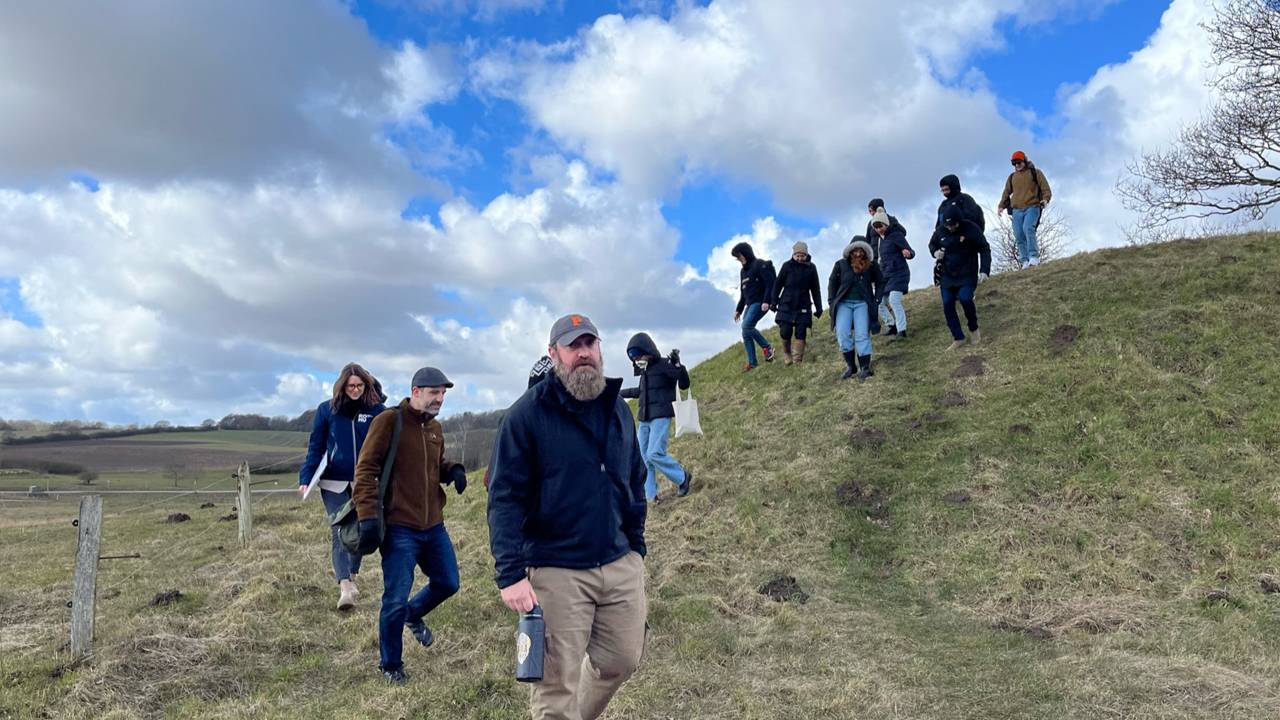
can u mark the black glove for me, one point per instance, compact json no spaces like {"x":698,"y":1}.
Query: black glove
{"x":674,"y":357}
{"x":817,"y":313}
{"x":457,"y":477}
{"x":369,"y":540}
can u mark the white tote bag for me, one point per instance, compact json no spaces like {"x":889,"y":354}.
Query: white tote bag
{"x":687,"y":415}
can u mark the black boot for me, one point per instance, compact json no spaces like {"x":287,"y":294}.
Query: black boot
{"x":865,"y":372}
{"x":851,"y":364}
{"x":893,"y":330}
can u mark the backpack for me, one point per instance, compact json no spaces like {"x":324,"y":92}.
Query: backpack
{"x":345,"y":518}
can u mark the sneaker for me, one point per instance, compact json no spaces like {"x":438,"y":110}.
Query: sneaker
{"x":420,"y":632}
{"x":347,"y":596}
{"x":395,"y":677}
{"x":748,"y":367}
{"x":1033,"y":262}
{"x":902,"y":335}
{"x":683,"y":489}
{"x":768,"y":354}
{"x":955,"y":345}
{"x":975,"y":337}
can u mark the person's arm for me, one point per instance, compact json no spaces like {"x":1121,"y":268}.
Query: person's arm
{"x":364,"y":491}
{"x":1006,"y":195}
{"x":633,"y":523}
{"x":317,"y":445}
{"x":775,"y":294}
{"x":1045,"y":191}
{"x":984,"y":254}
{"x":815,"y":291}
{"x":833,"y":282}
{"x":632,"y":393}
{"x":768,"y":277}
{"x":682,"y":376}
{"x":510,"y":488}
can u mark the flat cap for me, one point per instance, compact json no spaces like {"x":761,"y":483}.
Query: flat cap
{"x":430,"y":377}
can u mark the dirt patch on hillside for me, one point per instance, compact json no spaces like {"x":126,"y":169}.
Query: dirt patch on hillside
{"x":178,"y":517}
{"x":167,"y":597}
{"x":951,"y":398}
{"x":867,"y":438}
{"x":1062,"y":338}
{"x":784,"y":588}
{"x":971,"y":366}
{"x":1019,"y":429}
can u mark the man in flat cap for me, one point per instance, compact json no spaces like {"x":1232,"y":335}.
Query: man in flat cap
{"x":566,"y":524}
{"x":406,"y":524}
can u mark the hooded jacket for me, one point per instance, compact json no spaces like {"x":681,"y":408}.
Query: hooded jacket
{"x":897,"y":271}
{"x":797,"y":284}
{"x":756,"y":279}
{"x":968,"y":207}
{"x":873,"y":238}
{"x":339,"y":434}
{"x":966,"y":252}
{"x":658,"y":380}
{"x":843,"y":280}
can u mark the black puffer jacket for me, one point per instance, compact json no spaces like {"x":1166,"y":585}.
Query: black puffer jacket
{"x":843,"y":280}
{"x":796,"y":285}
{"x":968,"y":207}
{"x":897,"y":272}
{"x":965,"y":253}
{"x":658,"y":380}
{"x":873,"y":238}
{"x":756,"y":279}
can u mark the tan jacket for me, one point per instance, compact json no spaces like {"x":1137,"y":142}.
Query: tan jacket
{"x":1020,"y":189}
{"x":417,"y":500}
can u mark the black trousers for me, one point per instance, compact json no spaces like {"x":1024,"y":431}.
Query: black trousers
{"x":786,"y":329}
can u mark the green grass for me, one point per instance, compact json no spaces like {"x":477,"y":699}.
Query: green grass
{"x":1106,"y":490}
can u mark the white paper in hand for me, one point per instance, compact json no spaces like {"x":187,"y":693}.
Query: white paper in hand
{"x":687,"y":415}
{"x":315,"y":478}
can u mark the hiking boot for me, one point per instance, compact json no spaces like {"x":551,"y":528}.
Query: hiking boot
{"x":891,"y":330}
{"x":346,"y":595}
{"x":955,"y":345}
{"x":799,"y":352}
{"x":786,"y":352}
{"x":865,"y":362}
{"x":395,"y":677}
{"x":684,"y":487}
{"x":768,"y":354}
{"x":902,"y":335}
{"x":748,"y":367}
{"x":851,"y":364}
{"x":420,"y":632}
{"x":975,"y":337}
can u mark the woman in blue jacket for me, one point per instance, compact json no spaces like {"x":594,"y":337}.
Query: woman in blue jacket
{"x":338,"y":434}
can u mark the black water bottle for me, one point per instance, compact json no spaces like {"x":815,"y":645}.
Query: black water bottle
{"x":531,"y":636}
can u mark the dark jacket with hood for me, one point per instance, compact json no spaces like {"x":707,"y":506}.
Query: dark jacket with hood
{"x":873,"y":239}
{"x":967,"y":206}
{"x":340,"y":434}
{"x":658,"y":380}
{"x":797,"y":284}
{"x":897,"y":271}
{"x":965,"y":252}
{"x":564,"y":491}
{"x":867,"y":286}
{"x":756,"y":279}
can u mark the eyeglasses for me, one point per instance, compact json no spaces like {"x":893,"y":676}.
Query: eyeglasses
{"x":1017,"y":163}
{"x":355,"y":386}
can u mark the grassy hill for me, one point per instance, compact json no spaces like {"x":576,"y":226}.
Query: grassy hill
{"x":1078,"y":519}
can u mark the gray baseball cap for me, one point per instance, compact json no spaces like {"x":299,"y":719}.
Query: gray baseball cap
{"x":570,"y":328}
{"x":430,"y":377}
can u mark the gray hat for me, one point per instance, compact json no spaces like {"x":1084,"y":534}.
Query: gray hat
{"x":570,"y":328}
{"x":430,"y":377}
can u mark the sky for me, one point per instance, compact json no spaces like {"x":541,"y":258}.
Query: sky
{"x":208,"y":208}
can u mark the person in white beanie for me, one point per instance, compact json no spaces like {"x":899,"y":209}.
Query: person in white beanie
{"x":894,"y":254}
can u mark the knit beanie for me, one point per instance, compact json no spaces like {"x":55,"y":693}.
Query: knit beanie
{"x":800,"y":247}
{"x":880,"y":217}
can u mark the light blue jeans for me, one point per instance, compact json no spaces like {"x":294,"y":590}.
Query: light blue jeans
{"x":896,"y":317}
{"x":853,"y":326}
{"x":1024,"y":232}
{"x":750,"y":335}
{"x":652,"y":436}
{"x":344,"y":563}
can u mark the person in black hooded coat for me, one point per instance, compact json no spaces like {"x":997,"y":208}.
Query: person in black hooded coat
{"x":796,"y":285}
{"x":873,"y":239}
{"x":963,"y":203}
{"x":756,"y":290}
{"x":655,"y":395}
{"x":964,"y":256}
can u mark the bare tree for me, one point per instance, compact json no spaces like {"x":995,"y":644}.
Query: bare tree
{"x":175,"y":471}
{"x":1053,"y":239}
{"x":1229,"y":161}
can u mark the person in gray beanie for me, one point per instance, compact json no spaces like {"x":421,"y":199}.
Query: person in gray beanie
{"x":797,"y":283}
{"x":853,"y":292}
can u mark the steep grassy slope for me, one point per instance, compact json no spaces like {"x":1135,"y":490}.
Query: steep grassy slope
{"x":1062,"y":523}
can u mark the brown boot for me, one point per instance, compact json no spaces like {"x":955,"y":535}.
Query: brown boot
{"x":798,"y":355}
{"x":786,"y":352}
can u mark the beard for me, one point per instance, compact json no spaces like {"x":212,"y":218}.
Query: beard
{"x":584,"y":381}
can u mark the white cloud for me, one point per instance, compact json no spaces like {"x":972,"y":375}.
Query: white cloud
{"x":418,"y":77}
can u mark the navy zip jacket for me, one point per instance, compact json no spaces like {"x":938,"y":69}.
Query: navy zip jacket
{"x":560,"y":494}
{"x":341,"y":436}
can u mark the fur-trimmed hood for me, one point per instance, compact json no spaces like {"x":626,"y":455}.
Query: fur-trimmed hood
{"x":858,"y":241}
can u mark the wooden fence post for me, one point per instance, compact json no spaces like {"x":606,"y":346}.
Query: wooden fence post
{"x":246,"y":505}
{"x":86,"y":577}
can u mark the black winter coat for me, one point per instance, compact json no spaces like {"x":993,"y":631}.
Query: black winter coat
{"x":797,"y":284}
{"x":897,"y":272}
{"x":966,"y":254}
{"x":560,"y":494}
{"x":841,"y":283}
{"x":968,"y":207}
{"x":658,"y":381}
{"x":756,"y":283}
{"x":873,"y":238}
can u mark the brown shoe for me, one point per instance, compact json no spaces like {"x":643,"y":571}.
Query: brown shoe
{"x":975,"y":337}
{"x":786,"y":352}
{"x":798,"y":355}
{"x":955,"y":345}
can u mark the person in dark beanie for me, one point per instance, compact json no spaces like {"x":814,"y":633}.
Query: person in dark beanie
{"x":1026,"y":193}
{"x":337,"y":434}
{"x":755,"y":289}
{"x":655,"y":395}
{"x":874,"y":206}
{"x":414,"y":534}
{"x":797,"y":284}
{"x":965,"y":258}
{"x":569,"y":537}
{"x":895,"y":252}
{"x":968,"y":208}
{"x":853,"y":290}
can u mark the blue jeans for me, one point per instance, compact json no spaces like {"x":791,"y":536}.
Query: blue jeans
{"x":1024,"y":232}
{"x":750,"y":335}
{"x":963,"y":294}
{"x":853,"y":326}
{"x":403,"y":549}
{"x":892,"y":312}
{"x":344,"y":563}
{"x":652,"y":437}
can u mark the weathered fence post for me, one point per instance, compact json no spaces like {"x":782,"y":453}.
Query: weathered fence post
{"x":245,"y":513}
{"x":86,"y":577}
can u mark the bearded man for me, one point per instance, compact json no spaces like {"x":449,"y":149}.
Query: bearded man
{"x":566,"y":524}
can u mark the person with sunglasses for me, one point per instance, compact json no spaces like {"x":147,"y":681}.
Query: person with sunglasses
{"x":1026,"y":193}
{"x":655,"y":395}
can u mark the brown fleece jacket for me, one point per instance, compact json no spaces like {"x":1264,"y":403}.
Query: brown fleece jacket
{"x":1020,"y":189}
{"x":417,"y":500}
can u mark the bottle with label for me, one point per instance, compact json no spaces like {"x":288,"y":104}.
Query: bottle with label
{"x":530,"y":645}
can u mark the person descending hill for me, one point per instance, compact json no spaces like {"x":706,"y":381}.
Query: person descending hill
{"x":965,"y":258}
{"x":655,"y":395}
{"x":337,"y":434}
{"x":797,"y":284}
{"x":969,"y":210}
{"x":755,"y":289}
{"x":853,"y":291}
{"x":874,"y":206}
{"x":894,"y":254}
{"x":1026,"y":193}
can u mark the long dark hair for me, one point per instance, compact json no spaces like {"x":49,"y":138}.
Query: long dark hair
{"x":372,"y":388}
{"x":859,"y":260}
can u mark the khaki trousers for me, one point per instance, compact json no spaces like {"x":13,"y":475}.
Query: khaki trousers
{"x":595,"y":636}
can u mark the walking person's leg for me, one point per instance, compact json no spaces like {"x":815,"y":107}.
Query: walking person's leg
{"x":345,"y":565}
{"x":949,"y":312}
{"x":844,"y":336}
{"x":802,"y":338}
{"x":785,"y":329}
{"x":643,"y":431}
{"x":1019,"y":235}
{"x":436,"y":558}
{"x":899,"y":311}
{"x":965,"y":296}
{"x":655,"y":452}
{"x":399,"y":556}
{"x":862,"y":338}
{"x":1030,"y":224}
{"x":568,"y":600}
{"x":617,"y":636}
{"x":754,"y":314}
{"x":749,"y":332}
{"x":887,"y":320}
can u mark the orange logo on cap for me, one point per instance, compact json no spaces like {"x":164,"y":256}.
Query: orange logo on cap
{"x":576,"y":320}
